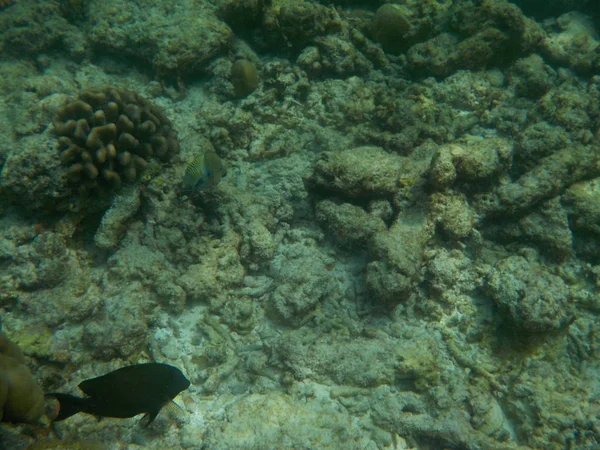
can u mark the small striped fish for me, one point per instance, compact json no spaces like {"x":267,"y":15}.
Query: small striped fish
{"x":205,"y":171}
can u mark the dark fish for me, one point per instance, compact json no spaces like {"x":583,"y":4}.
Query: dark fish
{"x":126,"y":392}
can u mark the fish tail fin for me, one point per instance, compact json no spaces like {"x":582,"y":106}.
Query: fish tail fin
{"x":69,"y":405}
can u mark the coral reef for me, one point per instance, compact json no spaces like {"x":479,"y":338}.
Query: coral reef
{"x":406,"y":242}
{"x":108,"y":136}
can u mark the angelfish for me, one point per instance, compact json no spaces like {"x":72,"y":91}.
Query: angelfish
{"x":205,"y":171}
{"x":126,"y":392}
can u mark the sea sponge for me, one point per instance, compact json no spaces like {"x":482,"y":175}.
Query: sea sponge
{"x":21,"y":399}
{"x":109,"y":135}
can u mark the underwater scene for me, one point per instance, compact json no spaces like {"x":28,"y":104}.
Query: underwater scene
{"x":300,"y":224}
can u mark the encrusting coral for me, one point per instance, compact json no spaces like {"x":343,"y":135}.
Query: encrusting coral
{"x":111,"y":134}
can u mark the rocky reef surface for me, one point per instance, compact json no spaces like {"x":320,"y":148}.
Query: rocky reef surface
{"x":403,"y":254}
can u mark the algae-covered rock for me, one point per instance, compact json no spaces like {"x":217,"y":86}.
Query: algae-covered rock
{"x":434,"y":56}
{"x":554,"y":173}
{"x":136,"y":266}
{"x":583,"y":203}
{"x":452,"y":214}
{"x":362,"y":172}
{"x":491,"y":31}
{"x":298,"y":22}
{"x":568,"y":105}
{"x":218,"y":268}
{"x":174,"y":39}
{"x":573,"y":42}
{"x":34,"y":261}
{"x":450,"y":272}
{"x":333,"y":56}
{"x":472,"y":159}
{"x":349,"y":225}
{"x":128,"y":331}
{"x":537,"y":141}
{"x":548,"y":226}
{"x":532,"y":77}
{"x":30,"y":176}
{"x":304,"y":275}
{"x":533,"y":299}
{"x":33,"y":28}
{"x":398,"y":258}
